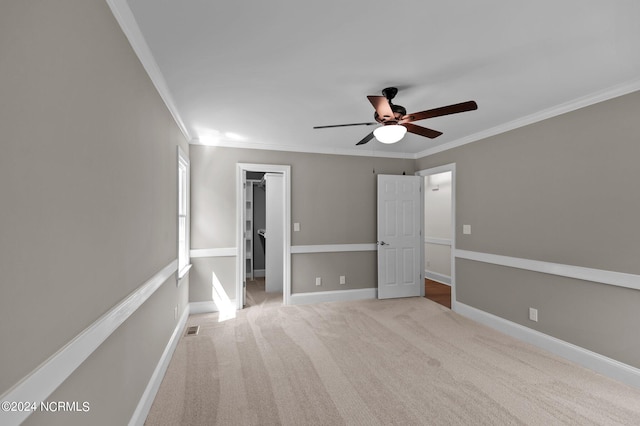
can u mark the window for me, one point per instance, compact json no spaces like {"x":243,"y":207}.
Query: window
{"x":183,"y":214}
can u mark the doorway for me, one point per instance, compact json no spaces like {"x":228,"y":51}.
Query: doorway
{"x":439,"y":234}
{"x":277,"y":186}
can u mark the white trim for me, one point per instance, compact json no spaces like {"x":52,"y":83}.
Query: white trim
{"x":206,"y":307}
{"x":144,"y":405}
{"x":41,"y":382}
{"x":241,"y":168}
{"x":436,"y":170}
{"x":334,"y":296}
{"x":215,"y":252}
{"x":130,"y":28}
{"x":619,"y":279}
{"x":202,"y":307}
{"x":572,"y":105}
{"x":592,"y":360}
{"x":333,"y":248}
{"x":438,"y":241}
{"x":441,"y":278}
{"x":183,"y":273}
{"x":183,"y":163}
{"x":227,"y":143}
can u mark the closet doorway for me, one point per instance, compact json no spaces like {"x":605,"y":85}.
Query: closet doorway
{"x":264,"y":218}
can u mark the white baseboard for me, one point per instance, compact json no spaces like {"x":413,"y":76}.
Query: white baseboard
{"x":258,"y":273}
{"x":434,"y":276}
{"x":41,"y":382}
{"x":206,"y":307}
{"x":333,"y":296}
{"x":591,"y":360}
{"x":144,"y":405}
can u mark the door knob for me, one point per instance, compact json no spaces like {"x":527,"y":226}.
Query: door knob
{"x":382,"y":243}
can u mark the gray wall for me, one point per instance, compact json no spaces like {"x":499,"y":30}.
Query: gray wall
{"x":333,"y":198}
{"x":563,"y":190}
{"x":88,"y":188}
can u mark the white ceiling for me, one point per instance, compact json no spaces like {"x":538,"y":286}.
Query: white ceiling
{"x":261,"y":74}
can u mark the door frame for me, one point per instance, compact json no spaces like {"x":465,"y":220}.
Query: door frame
{"x":241,"y":169}
{"x":451,"y":167}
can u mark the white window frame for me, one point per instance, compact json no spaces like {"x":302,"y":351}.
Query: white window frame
{"x":183,"y":210}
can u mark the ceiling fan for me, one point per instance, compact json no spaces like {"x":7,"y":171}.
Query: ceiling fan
{"x":396,"y":122}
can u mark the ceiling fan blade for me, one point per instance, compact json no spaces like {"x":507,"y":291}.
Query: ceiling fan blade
{"x":437,"y":112}
{"x":365,"y":139}
{"x":381,"y":104}
{"x":344,"y":125}
{"x":422,"y":131}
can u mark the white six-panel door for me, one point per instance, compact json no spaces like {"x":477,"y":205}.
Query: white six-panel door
{"x":399,"y":236}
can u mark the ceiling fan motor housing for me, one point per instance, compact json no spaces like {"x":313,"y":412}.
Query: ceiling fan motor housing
{"x":398,"y":112}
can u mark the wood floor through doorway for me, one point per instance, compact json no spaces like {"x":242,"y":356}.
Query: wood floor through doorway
{"x":438,"y":292}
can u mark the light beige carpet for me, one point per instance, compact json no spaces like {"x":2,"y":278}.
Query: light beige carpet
{"x":392,"y":362}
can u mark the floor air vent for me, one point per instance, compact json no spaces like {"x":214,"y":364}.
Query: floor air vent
{"x":193,"y":330}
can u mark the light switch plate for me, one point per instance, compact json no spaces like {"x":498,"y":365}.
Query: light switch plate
{"x":318,"y":281}
{"x":296,"y":227}
{"x":466,"y":229}
{"x":342,"y":279}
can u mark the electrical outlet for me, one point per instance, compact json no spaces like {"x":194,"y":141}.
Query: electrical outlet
{"x":343,"y":280}
{"x":318,"y":281}
{"x":533,"y":314}
{"x":466,"y":229}
{"x":296,"y":227}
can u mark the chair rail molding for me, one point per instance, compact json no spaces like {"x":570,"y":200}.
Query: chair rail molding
{"x":333,"y":248}
{"x":438,"y":241}
{"x":214,"y":252}
{"x":620,"y":279}
{"x":45,"y":379}
{"x":144,"y":405}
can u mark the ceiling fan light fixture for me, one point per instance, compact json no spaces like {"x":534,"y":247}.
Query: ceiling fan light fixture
{"x":390,"y":133}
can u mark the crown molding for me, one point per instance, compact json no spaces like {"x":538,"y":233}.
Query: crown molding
{"x":129,"y":25}
{"x":581,"y":102}
{"x":131,"y":30}
{"x":122,"y":12}
{"x":575,"y":104}
{"x":223,"y":143}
